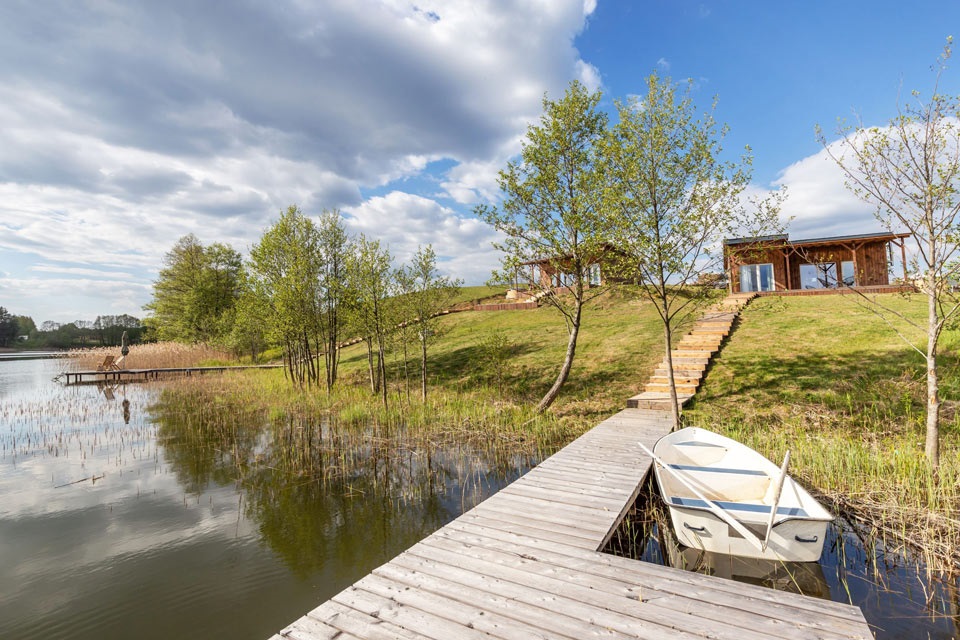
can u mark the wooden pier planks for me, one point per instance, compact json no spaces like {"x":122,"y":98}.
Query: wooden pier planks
{"x":525,"y":564}
{"x":143,"y":375}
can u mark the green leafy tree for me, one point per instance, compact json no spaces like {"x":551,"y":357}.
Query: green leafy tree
{"x":195,"y":291}
{"x":552,"y":209}
{"x":910,"y":171}
{"x":428,"y":294}
{"x":334,"y":246}
{"x":672,"y":198}
{"x":9,"y":328}
{"x":285,"y":276}
{"x":371,"y":282}
{"x":26,"y":327}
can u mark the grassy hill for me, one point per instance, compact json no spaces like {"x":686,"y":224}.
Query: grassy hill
{"x":620,"y":341}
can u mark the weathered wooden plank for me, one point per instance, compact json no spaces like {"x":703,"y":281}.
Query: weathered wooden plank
{"x":548,"y":531}
{"x":554,"y":494}
{"x":625,"y":613}
{"x":420,"y":622}
{"x":594,"y":521}
{"x":360,"y":624}
{"x":778,"y":604}
{"x":569,"y":485}
{"x":705,"y":602}
{"x":491,"y":595}
{"x":307,"y":628}
{"x":468,"y":616}
{"x":591,"y":529}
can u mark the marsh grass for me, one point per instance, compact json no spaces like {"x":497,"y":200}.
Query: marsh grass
{"x":827,"y":379}
{"x":154,"y":355}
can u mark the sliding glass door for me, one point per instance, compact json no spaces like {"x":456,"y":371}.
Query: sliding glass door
{"x":757,"y":277}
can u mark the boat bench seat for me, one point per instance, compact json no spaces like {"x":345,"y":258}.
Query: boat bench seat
{"x":747,"y":507}
{"x":742,"y":472}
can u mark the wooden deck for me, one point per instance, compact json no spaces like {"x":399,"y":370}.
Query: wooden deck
{"x":525,"y":564}
{"x":143,"y":375}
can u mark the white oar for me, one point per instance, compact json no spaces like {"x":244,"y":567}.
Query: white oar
{"x":776,"y":499}
{"x":748,"y":535}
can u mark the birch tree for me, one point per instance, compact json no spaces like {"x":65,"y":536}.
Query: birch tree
{"x":285,"y":273}
{"x":672,"y":198}
{"x":429,"y":294}
{"x":371,"y":284}
{"x":334,"y":246}
{"x":910,"y":171}
{"x":551,"y":209}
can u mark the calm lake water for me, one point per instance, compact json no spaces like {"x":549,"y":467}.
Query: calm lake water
{"x":116,"y":521}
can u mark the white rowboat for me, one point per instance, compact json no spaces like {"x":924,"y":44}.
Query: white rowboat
{"x":724,"y":497}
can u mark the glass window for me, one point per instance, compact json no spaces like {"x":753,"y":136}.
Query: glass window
{"x":848,"y":273}
{"x":594,"y":271}
{"x":756,"y":277}
{"x":821,"y":275}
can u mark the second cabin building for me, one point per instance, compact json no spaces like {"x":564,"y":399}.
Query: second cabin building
{"x":776,"y":263}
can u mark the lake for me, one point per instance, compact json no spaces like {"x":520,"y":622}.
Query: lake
{"x":120,"y":517}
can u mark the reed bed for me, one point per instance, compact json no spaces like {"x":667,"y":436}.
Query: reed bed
{"x":153,"y":355}
{"x":251,"y":428}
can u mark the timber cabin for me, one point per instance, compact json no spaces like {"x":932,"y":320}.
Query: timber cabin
{"x":553,"y":273}
{"x":778,"y":264}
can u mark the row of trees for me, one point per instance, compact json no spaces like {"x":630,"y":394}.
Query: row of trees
{"x":307,"y":288}
{"x":106,"y":330}
{"x":651,"y":194}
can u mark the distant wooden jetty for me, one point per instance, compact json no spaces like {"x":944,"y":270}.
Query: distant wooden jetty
{"x":526,"y":563}
{"x":143,"y":375}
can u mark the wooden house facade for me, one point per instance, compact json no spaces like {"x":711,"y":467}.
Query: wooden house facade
{"x":555,"y":272}
{"x":776,"y":263}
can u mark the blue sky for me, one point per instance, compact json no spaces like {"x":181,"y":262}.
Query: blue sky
{"x":125,"y":125}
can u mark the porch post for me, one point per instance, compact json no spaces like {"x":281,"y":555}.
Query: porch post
{"x":903,"y":256}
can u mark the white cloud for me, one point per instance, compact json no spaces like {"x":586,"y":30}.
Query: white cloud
{"x":404,"y":222}
{"x":820,"y":204}
{"x":167,"y":119}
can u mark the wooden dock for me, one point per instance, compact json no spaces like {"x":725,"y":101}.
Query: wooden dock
{"x":144,"y":375}
{"x":525,"y":563}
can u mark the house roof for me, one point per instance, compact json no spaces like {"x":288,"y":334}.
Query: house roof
{"x":604,"y":247}
{"x":886,"y":235}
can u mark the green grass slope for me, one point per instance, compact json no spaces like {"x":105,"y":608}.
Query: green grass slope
{"x":827,"y":378}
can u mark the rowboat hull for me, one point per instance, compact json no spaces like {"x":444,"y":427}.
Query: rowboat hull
{"x":733,"y":478}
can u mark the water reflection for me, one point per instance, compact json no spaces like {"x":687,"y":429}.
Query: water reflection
{"x":206,"y":519}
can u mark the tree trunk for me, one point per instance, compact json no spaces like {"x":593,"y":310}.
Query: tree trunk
{"x":671,"y":380}
{"x":423,"y":365}
{"x":567,"y":364}
{"x":373,"y":380}
{"x":932,"y":448}
{"x":382,"y":368}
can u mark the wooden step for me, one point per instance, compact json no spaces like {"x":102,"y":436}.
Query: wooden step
{"x":693,"y":353}
{"x":665,"y":388}
{"x":708,"y":341}
{"x":684,"y":380}
{"x":656,"y":401}
{"x":686,"y":364}
{"x":709,"y":331}
{"x":661,"y":372}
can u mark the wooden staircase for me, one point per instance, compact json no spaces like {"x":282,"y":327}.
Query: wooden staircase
{"x":692,"y":356}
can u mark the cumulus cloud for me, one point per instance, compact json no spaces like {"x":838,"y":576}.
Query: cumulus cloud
{"x":819,"y":203}
{"x":126,"y":126}
{"x":405,"y":222}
